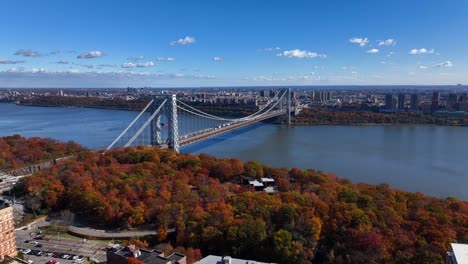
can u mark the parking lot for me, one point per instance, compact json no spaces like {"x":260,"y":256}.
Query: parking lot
{"x":41,"y":249}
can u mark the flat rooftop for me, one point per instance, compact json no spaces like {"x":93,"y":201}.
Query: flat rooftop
{"x":461,"y":253}
{"x":211,"y":259}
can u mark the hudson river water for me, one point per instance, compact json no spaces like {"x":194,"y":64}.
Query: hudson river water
{"x":428,"y":159}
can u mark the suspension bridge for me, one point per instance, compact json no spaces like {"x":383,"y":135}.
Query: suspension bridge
{"x":169,"y":122}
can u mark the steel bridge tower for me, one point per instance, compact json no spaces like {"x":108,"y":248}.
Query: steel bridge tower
{"x":169,"y":109}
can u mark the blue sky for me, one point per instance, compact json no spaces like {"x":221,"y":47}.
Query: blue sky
{"x":229,"y":43}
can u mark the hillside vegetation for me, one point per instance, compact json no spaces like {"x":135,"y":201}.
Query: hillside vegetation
{"x":315,"y":217}
{"x":17,"y":151}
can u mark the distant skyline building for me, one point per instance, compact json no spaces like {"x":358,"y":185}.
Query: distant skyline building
{"x":414,"y":102}
{"x":390,"y":102}
{"x":452,"y":102}
{"x":401,"y":101}
{"x":321,"y":96}
{"x":435,"y":101}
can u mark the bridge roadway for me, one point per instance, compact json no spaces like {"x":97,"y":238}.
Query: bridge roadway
{"x":186,"y":140}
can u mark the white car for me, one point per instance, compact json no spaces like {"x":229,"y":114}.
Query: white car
{"x":33,"y":242}
{"x":26,"y":251}
{"x":78,"y":261}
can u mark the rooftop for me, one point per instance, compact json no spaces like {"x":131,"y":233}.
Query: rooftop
{"x":460,"y":251}
{"x":212,"y":259}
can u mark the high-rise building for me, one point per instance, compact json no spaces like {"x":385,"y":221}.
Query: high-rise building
{"x":7,"y":233}
{"x":452,"y":102}
{"x":401,"y":101}
{"x":435,"y":101}
{"x":389,"y":101}
{"x":414,"y":102}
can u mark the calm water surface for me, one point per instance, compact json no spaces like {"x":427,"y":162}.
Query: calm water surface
{"x":429,"y":159}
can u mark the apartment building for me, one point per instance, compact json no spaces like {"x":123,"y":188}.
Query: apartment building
{"x":7,"y":231}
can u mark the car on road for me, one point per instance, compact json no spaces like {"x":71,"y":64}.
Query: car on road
{"x":33,"y":242}
{"x":38,"y":245}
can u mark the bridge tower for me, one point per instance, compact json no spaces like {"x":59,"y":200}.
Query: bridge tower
{"x":169,"y":109}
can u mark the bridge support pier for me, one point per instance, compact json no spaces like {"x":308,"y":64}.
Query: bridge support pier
{"x":170,"y":111}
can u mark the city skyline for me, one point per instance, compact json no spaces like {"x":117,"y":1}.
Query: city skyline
{"x":185,"y":44}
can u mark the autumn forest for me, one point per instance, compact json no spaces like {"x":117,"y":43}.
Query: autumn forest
{"x":198,"y":202}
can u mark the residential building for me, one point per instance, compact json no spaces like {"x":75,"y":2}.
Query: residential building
{"x":401,"y":101}
{"x":212,"y":259}
{"x":7,"y":231}
{"x":435,"y":101}
{"x":452,"y":102}
{"x":120,"y":255}
{"x":414,"y":102}
{"x":390,"y":102}
{"x":458,"y":255}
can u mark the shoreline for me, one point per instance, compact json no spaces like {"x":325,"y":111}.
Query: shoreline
{"x":293,"y":123}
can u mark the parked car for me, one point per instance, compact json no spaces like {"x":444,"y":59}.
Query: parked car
{"x":26,"y":250}
{"x":52,"y":261}
{"x":33,"y":242}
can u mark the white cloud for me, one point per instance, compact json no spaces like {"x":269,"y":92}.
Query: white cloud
{"x":25,"y":70}
{"x":391,"y":53}
{"x":27,"y":53}
{"x":373,"y":51}
{"x":444,"y":64}
{"x":270,"y":49}
{"x":136,"y":58}
{"x":183,"y":41}
{"x":387,"y":42}
{"x":7,"y":61}
{"x":138,"y":65}
{"x":361,"y":41}
{"x":90,"y":54}
{"x":421,"y":51}
{"x":422,"y":67}
{"x":300,"y":54}
{"x":165,"y":59}
{"x":107,"y":65}
{"x":218,"y":59}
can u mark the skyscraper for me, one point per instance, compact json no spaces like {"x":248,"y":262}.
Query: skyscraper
{"x":452,"y":102}
{"x":388,"y":101}
{"x":401,"y":101}
{"x":435,"y":101}
{"x":414,"y":102}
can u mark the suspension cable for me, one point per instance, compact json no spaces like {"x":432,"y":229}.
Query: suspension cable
{"x":145,"y":124}
{"x":129,"y":126}
{"x":229,"y":119}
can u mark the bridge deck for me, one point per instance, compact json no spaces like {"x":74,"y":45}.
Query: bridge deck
{"x":183,"y":141}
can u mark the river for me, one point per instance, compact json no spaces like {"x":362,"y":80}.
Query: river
{"x":423,"y":158}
